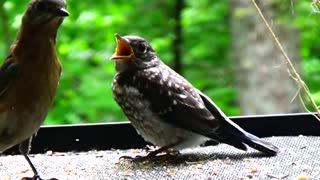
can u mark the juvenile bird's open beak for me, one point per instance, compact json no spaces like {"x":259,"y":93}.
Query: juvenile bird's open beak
{"x":62,"y":12}
{"x":123,"y":50}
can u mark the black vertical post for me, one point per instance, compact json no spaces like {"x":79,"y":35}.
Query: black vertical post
{"x":177,"y":41}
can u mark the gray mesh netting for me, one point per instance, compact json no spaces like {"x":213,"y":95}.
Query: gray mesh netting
{"x":299,"y":157}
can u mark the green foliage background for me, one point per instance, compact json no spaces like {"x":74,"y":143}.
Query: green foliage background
{"x":86,"y":41}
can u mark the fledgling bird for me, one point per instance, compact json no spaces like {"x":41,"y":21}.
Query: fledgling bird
{"x":29,"y":76}
{"x":165,"y":108}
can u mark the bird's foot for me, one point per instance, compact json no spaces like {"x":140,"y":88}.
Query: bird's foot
{"x":136,"y":158}
{"x":172,"y":152}
{"x":37,"y":177}
{"x":152,"y":155}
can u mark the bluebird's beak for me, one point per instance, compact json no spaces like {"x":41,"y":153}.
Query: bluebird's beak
{"x":123,"y":50}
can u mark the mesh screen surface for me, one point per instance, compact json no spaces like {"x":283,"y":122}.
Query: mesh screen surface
{"x":299,"y":156}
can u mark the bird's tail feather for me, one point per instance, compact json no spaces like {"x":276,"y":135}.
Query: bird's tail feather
{"x":230,"y":133}
{"x":259,"y":144}
{"x":237,"y":137}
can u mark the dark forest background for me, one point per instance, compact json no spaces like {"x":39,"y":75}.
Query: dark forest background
{"x":222,"y":47}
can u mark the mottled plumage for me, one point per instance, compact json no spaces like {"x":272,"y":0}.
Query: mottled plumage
{"x":29,"y":76}
{"x":166,"y":109}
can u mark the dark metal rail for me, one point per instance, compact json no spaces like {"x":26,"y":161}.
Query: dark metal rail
{"x":104,"y":136}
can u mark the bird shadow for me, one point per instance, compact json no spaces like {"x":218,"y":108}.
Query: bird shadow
{"x":191,"y":158}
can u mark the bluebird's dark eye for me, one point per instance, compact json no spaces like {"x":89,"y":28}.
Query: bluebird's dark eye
{"x":142,"y":48}
{"x":41,"y":6}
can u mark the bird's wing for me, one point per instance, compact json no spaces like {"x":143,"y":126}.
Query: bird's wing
{"x":8,"y":72}
{"x":177,"y":102}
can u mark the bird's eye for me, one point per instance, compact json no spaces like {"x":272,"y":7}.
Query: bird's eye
{"x":142,"y":48}
{"x":41,"y":6}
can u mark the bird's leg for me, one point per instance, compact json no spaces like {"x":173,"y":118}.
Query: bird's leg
{"x":24,"y":150}
{"x":158,"y":151}
{"x":36,"y":175}
{"x":152,"y":154}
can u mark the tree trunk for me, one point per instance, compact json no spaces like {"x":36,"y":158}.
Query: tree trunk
{"x":177,"y":41}
{"x":262,"y":78}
